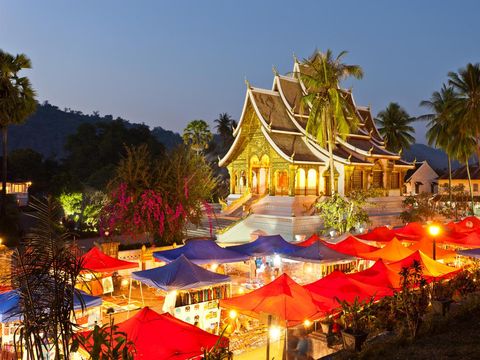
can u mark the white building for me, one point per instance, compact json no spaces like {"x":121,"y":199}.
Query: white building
{"x":422,"y":179}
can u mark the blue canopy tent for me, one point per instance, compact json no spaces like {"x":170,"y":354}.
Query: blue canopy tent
{"x":180,"y":274}
{"x":265,"y":246}
{"x":475,"y":253}
{"x":10,"y":310}
{"x":200,"y":252}
{"x":319,"y":253}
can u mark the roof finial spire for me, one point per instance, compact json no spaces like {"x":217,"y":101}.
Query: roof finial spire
{"x":275,"y":71}
{"x":295,"y":59}
{"x":247,"y":83}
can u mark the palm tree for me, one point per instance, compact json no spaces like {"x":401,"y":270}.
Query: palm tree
{"x":331,"y":113}
{"x":462,"y":147}
{"x":225,"y":126}
{"x":439,"y":133}
{"x":394,"y":126}
{"x":197,"y":134}
{"x":17,"y":102}
{"x":467,"y":85}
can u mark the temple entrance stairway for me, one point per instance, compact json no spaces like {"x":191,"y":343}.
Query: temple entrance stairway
{"x":293,"y":217}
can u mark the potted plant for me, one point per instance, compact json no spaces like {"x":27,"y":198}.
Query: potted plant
{"x":356,"y":317}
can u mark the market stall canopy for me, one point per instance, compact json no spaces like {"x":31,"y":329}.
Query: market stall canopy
{"x":10,"y":304}
{"x":95,"y":260}
{"x":431,"y":269}
{"x":425,"y":245}
{"x":469,"y":224}
{"x":378,"y":234}
{"x":411,"y":231}
{"x":469,"y":240}
{"x":180,"y":274}
{"x":319,"y":253}
{"x":351,"y":246}
{"x":161,"y":336}
{"x":266,"y":246}
{"x":311,"y":240}
{"x":201,"y":252}
{"x":393,"y":251}
{"x":378,"y":275}
{"x":338,"y":285}
{"x":283,"y":298}
{"x":475,"y":253}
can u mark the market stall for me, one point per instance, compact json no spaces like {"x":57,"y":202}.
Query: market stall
{"x":87,"y":313}
{"x":161,"y":336}
{"x":192,"y":292}
{"x":319,"y":260}
{"x":99,"y":268}
{"x":411,"y":232}
{"x":426,"y":246}
{"x":379,"y":234}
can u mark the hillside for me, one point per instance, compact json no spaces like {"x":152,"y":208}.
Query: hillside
{"x":435,"y":157}
{"x":47,"y":129}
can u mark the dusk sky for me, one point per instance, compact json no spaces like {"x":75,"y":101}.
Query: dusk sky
{"x":166,"y":63}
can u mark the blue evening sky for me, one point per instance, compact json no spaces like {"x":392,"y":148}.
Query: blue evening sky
{"x":166,"y":63}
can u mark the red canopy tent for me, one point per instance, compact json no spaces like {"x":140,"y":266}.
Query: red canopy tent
{"x":310,"y":241}
{"x":161,"y":336}
{"x":378,"y":275}
{"x":339,"y":285}
{"x":379,"y":234}
{"x":469,"y":224}
{"x":283,"y":298}
{"x":351,"y":246}
{"x":411,"y":231}
{"x":431,"y":269}
{"x":393,"y":251}
{"x":96,"y":261}
{"x":469,"y":240}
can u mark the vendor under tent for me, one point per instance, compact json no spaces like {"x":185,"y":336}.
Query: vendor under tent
{"x":378,"y":275}
{"x":340,"y":286}
{"x":283,"y":298}
{"x":393,"y":251}
{"x":95,"y":261}
{"x":265,"y":246}
{"x":351,"y":246}
{"x":431,"y":269}
{"x":310,"y":241}
{"x":379,"y":234}
{"x":188,"y":284}
{"x":201,"y":252}
{"x":425,"y":245}
{"x":412,"y":231}
{"x":473,"y":253}
{"x":161,"y":336}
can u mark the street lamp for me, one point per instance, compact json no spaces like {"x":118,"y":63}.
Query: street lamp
{"x":434,"y":231}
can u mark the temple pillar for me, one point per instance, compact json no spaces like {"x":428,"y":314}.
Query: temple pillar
{"x":367,"y":178}
{"x":292,"y":171}
{"x":232,"y":179}
{"x":348,"y":178}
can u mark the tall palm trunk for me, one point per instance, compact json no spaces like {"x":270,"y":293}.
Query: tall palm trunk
{"x":470,"y":186}
{"x":330,"y":140}
{"x":3,"y":206}
{"x":449,"y":179}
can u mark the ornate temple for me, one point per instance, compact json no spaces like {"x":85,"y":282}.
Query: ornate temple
{"x":272,"y":154}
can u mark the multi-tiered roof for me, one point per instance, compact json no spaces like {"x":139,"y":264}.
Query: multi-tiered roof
{"x":283,"y":123}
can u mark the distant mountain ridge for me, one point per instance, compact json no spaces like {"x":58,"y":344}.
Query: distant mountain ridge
{"x":437,"y":158}
{"x":48,"y":128}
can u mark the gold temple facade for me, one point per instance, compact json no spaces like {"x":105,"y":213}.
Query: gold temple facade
{"x":272,"y":153}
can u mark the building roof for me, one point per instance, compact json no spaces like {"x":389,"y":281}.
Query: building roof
{"x":283,"y":120}
{"x":461,"y":173}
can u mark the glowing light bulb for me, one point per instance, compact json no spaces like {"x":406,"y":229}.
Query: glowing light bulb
{"x":307,"y":323}
{"x":275,"y":333}
{"x":434,"y":230}
{"x":232,"y":314}
{"x":214,"y":267}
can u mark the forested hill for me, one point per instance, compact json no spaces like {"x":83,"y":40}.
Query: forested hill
{"x":46,"y":131}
